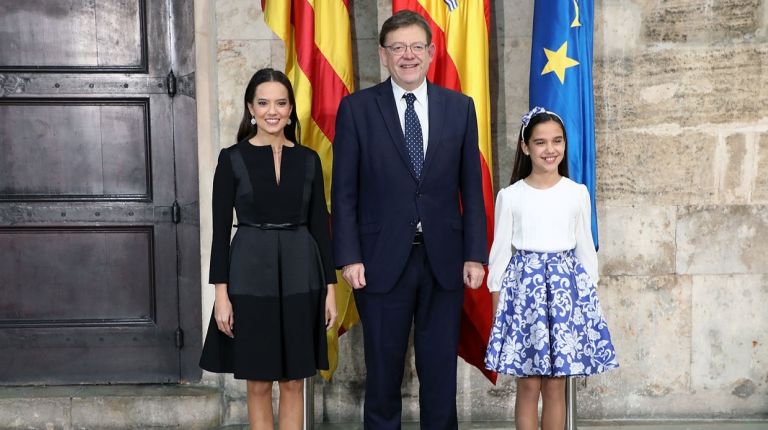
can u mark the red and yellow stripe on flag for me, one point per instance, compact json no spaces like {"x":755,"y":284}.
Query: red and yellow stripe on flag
{"x":318,"y":57}
{"x":460,"y":32}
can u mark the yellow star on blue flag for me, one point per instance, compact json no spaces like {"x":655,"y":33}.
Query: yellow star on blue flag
{"x":558,"y":61}
{"x":561,"y":81}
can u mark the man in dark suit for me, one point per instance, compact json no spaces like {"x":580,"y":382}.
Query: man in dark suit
{"x":408,"y":223}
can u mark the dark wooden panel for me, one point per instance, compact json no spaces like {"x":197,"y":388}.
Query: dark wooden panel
{"x":76,"y":276}
{"x":73,"y":35}
{"x":88,"y":354}
{"x":134,"y":274}
{"x":183,"y":37}
{"x":74,"y":149}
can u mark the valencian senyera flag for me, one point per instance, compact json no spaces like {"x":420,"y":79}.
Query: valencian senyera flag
{"x":460,"y":32}
{"x":318,"y":62}
{"x":561,"y":81}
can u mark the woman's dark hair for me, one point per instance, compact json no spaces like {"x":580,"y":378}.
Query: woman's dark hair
{"x":404,"y":18}
{"x":523,"y":165}
{"x":248,"y":130}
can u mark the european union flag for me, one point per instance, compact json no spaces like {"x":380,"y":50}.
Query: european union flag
{"x":561,"y":81}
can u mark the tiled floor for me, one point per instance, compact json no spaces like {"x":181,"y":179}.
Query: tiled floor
{"x":585,"y":426}
{"x":699,"y":425}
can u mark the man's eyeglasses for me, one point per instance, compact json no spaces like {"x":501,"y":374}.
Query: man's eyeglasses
{"x":417,"y":48}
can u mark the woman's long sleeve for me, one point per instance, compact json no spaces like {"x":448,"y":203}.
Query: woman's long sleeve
{"x":585,"y":247}
{"x":501,"y":249}
{"x":319,"y":225}
{"x":223,"y":204}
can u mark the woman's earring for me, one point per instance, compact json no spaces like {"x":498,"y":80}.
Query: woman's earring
{"x":288,"y":122}
{"x":253,"y":121}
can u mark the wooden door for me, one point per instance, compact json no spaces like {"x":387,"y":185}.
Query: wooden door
{"x":99,"y":249}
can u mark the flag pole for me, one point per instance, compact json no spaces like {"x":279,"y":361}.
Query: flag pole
{"x":570,"y":403}
{"x":309,"y":403}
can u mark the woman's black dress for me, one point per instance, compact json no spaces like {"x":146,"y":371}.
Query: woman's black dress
{"x":276,"y":267}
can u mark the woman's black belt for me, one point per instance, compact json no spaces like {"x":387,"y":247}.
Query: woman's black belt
{"x":271,"y":226}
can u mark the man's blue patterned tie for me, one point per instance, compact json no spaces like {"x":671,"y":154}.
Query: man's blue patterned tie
{"x":414,"y":141}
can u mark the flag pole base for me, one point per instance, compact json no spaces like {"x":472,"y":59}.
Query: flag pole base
{"x":309,"y":403}
{"x":570,"y":403}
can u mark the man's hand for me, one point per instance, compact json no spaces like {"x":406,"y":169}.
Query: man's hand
{"x":354,"y":274}
{"x":473,"y":274}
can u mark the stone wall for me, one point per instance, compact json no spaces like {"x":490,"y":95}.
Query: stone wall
{"x":682,"y":138}
{"x":680,"y":90}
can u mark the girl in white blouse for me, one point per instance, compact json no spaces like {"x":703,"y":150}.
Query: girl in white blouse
{"x":543,"y":276}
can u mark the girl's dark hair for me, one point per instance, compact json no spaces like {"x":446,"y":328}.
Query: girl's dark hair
{"x":248,"y":130}
{"x":523,"y":165}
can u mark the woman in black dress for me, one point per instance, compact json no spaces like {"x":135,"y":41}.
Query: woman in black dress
{"x":274,"y":281}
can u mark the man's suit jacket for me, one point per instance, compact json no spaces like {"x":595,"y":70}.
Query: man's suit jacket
{"x":377,"y":200}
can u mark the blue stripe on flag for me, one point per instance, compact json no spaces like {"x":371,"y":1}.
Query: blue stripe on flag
{"x":561,"y":81}
{"x":452,"y":4}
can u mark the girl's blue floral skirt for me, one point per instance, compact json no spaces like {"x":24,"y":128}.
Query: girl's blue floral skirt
{"x":548,"y":321}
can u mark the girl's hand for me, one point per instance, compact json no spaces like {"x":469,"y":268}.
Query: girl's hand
{"x":495,"y":300}
{"x":222,"y":311}
{"x":330,"y":307}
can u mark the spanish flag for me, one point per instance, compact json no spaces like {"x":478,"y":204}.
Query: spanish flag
{"x":460,"y":32}
{"x":318,"y":57}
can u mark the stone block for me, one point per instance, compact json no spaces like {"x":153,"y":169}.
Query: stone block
{"x":697,"y":21}
{"x":277,"y":54}
{"x":241,"y":19}
{"x":514,"y":72}
{"x":233,"y":388}
{"x":365,"y":44}
{"x":682,"y":85}
{"x":235,"y":411}
{"x":235,"y":400}
{"x":109,"y":407}
{"x":637,"y":240}
{"x":514,"y":19}
{"x":637,"y":168}
{"x":365,"y":60}
{"x":504,"y":153}
{"x":238,"y":60}
{"x":19,"y":412}
{"x":140,"y":408}
{"x":478,"y":400}
{"x":509,"y":103}
{"x":760,"y":187}
{"x":384,"y":11}
{"x":650,"y":322}
{"x":364,"y":17}
{"x":732,"y":185}
{"x":618,"y":27}
{"x":341,"y":401}
{"x":730,"y":337}
{"x":342,"y":396}
{"x":736,"y":167}
{"x":210,"y":379}
{"x":722,"y":239}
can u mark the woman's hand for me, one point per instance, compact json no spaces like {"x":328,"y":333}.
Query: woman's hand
{"x":222,"y":311}
{"x":330,"y":307}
